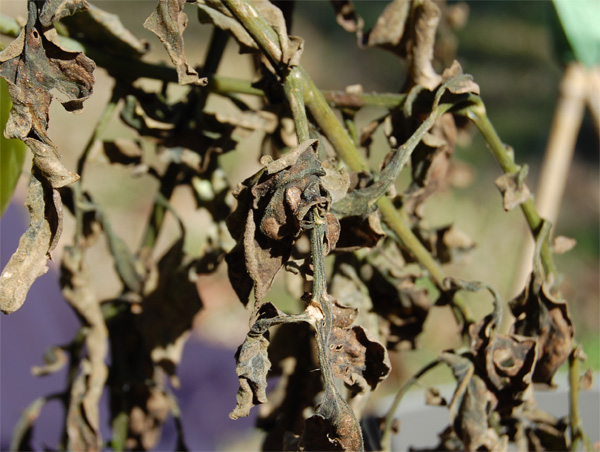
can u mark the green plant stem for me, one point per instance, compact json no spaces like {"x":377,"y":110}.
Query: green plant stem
{"x":295,"y":96}
{"x":577,"y":433}
{"x":477,"y":113}
{"x":386,"y":437}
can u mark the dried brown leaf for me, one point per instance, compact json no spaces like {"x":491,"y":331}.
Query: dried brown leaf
{"x":29,"y":261}
{"x":272,"y":206}
{"x":34,"y":65}
{"x":54,"y":10}
{"x":168,"y":22}
{"x":389,"y":28}
{"x":253,"y":364}
{"x":544,"y":317}
{"x":362,"y":363}
{"x":513,"y":188}
{"x":471,"y":406}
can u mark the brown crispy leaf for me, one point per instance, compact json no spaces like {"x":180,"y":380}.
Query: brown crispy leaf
{"x":29,"y":261}
{"x":426,"y":19}
{"x":294,"y":362}
{"x":34,"y":65}
{"x":55,"y":10}
{"x":357,"y":359}
{"x":389,"y":29}
{"x":272,"y":206}
{"x":471,"y":406}
{"x":168,"y":22}
{"x":253,"y":364}
{"x":513,"y":188}
{"x":545,"y":317}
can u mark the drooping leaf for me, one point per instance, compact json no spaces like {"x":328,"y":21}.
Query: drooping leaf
{"x":545,"y":317}
{"x":293,"y":361}
{"x":359,"y":361}
{"x":34,"y":65}
{"x":168,"y":22}
{"x":272,"y":205}
{"x":471,"y":406}
{"x":253,"y":361}
{"x":513,"y":188}
{"x":29,"y":261}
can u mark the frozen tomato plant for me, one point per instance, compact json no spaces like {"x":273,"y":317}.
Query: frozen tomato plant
{"x":367,"y":268}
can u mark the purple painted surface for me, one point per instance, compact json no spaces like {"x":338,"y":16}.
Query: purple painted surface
{"x":207,"y":372}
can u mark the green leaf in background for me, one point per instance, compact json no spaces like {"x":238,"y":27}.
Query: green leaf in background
{"x":12,"y":153}
{"x":579,"y":20}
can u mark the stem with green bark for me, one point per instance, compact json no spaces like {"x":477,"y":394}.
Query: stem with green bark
{"x":577,"y":433}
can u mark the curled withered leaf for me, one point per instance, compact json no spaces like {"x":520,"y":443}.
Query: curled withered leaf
{"x":106,"y":31}
{"x":54,"y":10}
{"x":272,"y":206}
{"x":458,"y":82}
{"x":168,"y":22}
{"x":513,"y":188}
{"x":426,"y":16}
{"x":33,"y":65}
{"x":290,"y":47}
{"x":389,"y":28}
{"x":362,"y":363}
{"x":507,"y":360}
{"x":544,"y":316}
{"x":29,"y":261}
{"x":471,"y":406}
{"x":253,"y":363}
